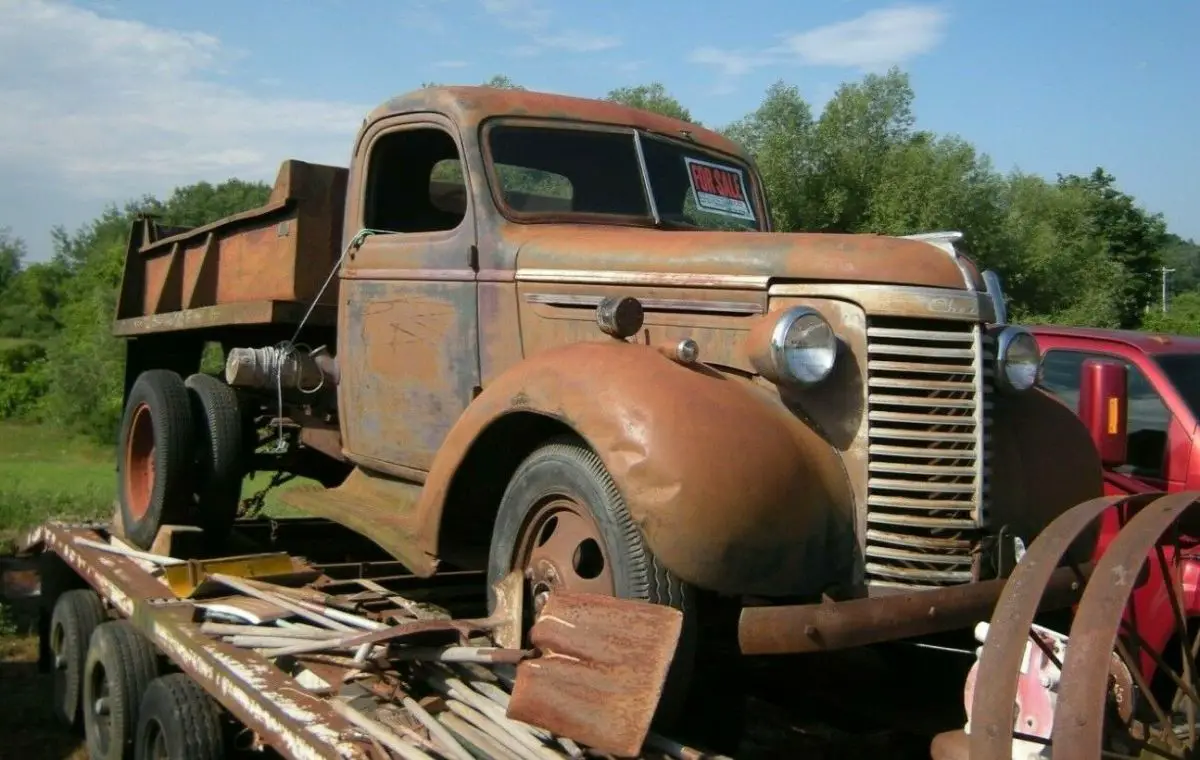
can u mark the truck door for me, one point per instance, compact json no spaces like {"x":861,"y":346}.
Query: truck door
{"x":407,"y":323}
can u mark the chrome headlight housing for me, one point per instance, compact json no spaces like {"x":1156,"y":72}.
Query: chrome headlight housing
{"x":801,"y":349}
{"x":1017,"y":359}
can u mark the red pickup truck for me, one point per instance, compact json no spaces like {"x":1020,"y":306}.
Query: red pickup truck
{"x":1139,"y":395}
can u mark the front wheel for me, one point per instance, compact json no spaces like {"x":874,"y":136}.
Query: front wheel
{"x":564,"y":524}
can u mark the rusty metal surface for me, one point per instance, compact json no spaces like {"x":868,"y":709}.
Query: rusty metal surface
{"x":1079,"y":721}
{"x":827,"y":626}
{"x":280,"y":251}
{"x":261,"y":696}
{"x":764,"y":507}
{"x":600,"y":672}
{"x":612,"y":254}
{"x":1008,"y":635}
{"x":230,"y":314}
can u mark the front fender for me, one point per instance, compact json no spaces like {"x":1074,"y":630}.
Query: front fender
{"x":732,"y":492}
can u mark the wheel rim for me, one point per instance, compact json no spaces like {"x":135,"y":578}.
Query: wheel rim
{"x":58,"y":642}
{"x":560,"y":549}
{"x":101,"y":708}
{"x":139,"y":462}
{"x":154,"y":741}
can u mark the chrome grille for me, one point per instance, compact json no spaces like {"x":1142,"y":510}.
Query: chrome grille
{"x":928,"y":410}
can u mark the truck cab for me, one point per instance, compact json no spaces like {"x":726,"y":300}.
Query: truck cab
{"x":1163,"y":389}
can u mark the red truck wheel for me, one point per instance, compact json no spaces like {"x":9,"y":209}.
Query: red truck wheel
{"x":564,"y":523}
{"x":155,"y":457}
{"x":220,"y":439}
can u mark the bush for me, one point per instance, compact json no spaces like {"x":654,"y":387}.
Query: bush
{"x":24,"y":378}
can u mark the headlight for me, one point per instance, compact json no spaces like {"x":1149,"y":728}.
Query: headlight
{"x":1017,"y":359}
{"x":802,"y":349}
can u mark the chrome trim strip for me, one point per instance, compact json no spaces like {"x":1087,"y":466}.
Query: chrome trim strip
{"x":897,"y":300}
{"x":646,"y":279}
{"x":649,"y":304}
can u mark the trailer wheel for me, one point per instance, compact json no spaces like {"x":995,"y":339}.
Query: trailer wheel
{"x":121,"y":663}
{"x":76,"y":615}
{"x":563,"y":521}
{"x":220,"y":438}
{"x":178,"y":721}
{"x":156,"y":456}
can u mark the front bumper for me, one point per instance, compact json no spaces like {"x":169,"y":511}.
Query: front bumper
{"x":794,"y":629}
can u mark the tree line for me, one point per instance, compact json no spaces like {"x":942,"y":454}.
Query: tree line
{"x":1075,"y":249}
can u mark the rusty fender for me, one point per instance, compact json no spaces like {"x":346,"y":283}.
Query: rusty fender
{"x":732,"y":492}
{"x":799,"y":628}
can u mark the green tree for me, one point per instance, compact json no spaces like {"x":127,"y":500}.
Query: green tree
{"x":651,"y":97}
{"x":779,"y":134}
{"x":12,"y":256}
{"x":1181,"y":318}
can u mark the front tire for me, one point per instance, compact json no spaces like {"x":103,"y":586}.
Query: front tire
{"x":563,"y":522}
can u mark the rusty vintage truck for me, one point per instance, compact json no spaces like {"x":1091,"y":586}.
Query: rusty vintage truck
{"x":533,"y":331}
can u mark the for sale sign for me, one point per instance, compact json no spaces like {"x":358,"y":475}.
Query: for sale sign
{"x":719,"y":189}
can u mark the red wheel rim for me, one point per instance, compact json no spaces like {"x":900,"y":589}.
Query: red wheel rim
{"x":139,"y":462}
{"x":561,"y":550}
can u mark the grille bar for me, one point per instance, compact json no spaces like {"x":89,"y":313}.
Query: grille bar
{"x":928,"y":410}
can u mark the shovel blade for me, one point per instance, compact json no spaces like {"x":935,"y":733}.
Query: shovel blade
{"x":600,"y":674}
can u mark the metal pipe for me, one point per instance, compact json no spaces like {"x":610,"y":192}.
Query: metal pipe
{"x":793,"y":629}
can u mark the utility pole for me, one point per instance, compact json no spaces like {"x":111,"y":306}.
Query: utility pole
{"x":1165,"y":272}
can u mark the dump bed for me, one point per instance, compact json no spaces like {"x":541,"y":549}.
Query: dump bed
{"x":261,"y":266}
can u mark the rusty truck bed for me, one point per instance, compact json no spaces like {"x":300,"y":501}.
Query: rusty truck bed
{"x":289,"y":703}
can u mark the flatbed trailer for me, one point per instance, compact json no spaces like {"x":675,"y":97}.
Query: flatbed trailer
{"x":289,"y":705}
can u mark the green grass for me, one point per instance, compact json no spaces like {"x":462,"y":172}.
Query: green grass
{"x":46,"y":474}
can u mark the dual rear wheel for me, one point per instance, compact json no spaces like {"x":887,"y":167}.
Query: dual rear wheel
{"x":181,"y":457}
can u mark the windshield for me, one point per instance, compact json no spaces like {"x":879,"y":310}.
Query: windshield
{"x":578,"y":174}
{"x":1183,"y":370}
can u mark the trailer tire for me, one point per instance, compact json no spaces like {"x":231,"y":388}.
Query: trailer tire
{"x":567,"y":467}
{"x":177,"y":719}
{"x":155,"y":458}
{"x":219,"y":453}
{"x":77,"y":613}
{"x":121,"y":663}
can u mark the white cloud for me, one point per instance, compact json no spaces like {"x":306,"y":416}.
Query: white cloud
{"x":535,"y":20}
{"x":877,"y":39}
{"x":109,"y":108}
{"x":871,"y":42}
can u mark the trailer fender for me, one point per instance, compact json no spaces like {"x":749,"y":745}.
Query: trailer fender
{"x":732,"y":492}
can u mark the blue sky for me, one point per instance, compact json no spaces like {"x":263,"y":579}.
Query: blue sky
{"x":107,"y":99}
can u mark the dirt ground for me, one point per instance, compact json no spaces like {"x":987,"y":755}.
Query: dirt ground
{"x":29,"y":732}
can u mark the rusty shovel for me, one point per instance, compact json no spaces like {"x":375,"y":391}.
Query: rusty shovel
{"x":600,"y":670}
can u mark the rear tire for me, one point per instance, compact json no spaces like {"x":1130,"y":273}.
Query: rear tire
{"x":178,"y":720}
{"x":155,"y":456}
{"x":219,"y":454}
{"x":121,"y":663}
{"x":77,"y":613}
{"x":567,"y":472}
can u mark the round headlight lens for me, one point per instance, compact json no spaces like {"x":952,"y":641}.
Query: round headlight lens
{"x":1018,"y":358}
{"x":804,"y":347}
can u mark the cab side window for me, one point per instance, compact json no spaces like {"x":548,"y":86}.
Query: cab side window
{"x":414,"y":182}
{"x":1148,"y":416}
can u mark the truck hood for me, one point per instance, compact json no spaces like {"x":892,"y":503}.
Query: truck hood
{"x":776,"y":256}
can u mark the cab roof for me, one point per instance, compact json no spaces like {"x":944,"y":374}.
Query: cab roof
{"x":469,"y":106}
{"x":1146,"y":342}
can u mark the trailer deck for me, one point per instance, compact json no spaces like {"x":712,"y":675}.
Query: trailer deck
{"x":320,"y":704}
